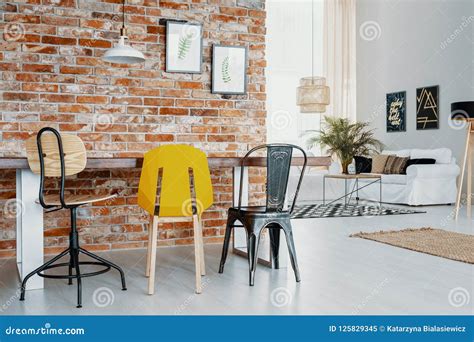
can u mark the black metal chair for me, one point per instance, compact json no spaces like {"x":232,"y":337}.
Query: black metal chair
{"x":61,"y":155}
{"x":273,"y":215}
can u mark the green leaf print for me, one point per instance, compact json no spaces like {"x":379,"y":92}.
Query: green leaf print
{"x":226,"y":70}
{"x":184,"y":45}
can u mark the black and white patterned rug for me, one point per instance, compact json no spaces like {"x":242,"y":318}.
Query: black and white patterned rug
{"x":348,"y":210}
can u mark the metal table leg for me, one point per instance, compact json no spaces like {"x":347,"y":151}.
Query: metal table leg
{"x":324,"y":190}
{"x":357,"y":191}
{"x":345,"y":192}
{"x":380,"y":198}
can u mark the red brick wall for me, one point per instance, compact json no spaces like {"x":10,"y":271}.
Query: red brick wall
{"x":52,"y":75}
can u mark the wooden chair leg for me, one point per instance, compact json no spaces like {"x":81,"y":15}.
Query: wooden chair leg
{"x":201,"y":244}
{"x":197,"y":253}
{"x":154,"y":238}
{"x":463,"y":169}
{"x":469,"y":180}
{"x":148,"y":251}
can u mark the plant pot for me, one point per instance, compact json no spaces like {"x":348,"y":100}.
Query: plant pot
{"x":345,"y":167}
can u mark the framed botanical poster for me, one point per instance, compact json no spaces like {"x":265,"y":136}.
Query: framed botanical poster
{"x":183,"y":47}
{"x":396,"y":112}
{"x":229,"y":70}
{"x":427,"y":108}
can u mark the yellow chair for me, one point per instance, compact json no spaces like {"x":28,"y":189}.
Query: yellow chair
{"x":169,"y":168}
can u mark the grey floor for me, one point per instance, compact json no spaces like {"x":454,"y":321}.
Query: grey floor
{"x":340,"y":275}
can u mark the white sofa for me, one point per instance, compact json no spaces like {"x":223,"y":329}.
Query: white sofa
{"x":422,"y":184}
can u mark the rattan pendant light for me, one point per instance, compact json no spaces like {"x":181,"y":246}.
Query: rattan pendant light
{"x":312,"y":95}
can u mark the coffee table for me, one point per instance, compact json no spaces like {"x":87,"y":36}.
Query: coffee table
{"x":355,"y":188}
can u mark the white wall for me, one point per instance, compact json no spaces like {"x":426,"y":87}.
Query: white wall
{"x":415,"y":43}
{"x":289,"y":58}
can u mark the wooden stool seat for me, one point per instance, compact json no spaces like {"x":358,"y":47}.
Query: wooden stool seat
{"x":75,"y":199}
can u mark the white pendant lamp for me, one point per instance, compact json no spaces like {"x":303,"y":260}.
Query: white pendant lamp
{"x":312,"y":95}
{"x":122,"y":53}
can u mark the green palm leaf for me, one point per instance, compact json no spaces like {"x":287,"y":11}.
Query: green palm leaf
{"x":226,"y":70}
{"x":344,"y":139}
{"x":184,"y":45}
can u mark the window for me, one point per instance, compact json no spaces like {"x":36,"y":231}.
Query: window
{"x":289,"y":59}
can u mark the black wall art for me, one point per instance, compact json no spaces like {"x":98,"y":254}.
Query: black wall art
{"x":396,"y":112}
{"x":427,"y":109}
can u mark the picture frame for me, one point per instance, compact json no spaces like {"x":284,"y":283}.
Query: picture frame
{"x":229,"y":70}
{"x":427,"y":108}
{"x":183,"y":47}
{"x":396,"y":111}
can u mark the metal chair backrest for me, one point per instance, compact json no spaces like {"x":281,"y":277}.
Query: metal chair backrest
{"x":175,"y":199}
{"x":278,"y":162}
{"x":55,"y":155}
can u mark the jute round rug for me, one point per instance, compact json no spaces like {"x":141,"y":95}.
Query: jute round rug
{"x":442,"y":243}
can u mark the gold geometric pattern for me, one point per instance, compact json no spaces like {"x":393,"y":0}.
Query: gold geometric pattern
{"x":427,"y":108}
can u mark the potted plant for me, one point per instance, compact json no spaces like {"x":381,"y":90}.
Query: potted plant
{"x":344,"y":139}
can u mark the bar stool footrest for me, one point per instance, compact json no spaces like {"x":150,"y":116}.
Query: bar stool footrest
{"x":83,"y":275}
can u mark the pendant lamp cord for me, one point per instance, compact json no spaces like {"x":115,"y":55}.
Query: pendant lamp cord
{"x":122,"y":31}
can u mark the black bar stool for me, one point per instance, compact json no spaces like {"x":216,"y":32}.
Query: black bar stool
{"x":61,"y":155}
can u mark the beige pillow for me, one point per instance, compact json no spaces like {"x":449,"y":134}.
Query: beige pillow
{"x":389,"y":164}
{"x":378,"y":163}
{"x":398,"y":166}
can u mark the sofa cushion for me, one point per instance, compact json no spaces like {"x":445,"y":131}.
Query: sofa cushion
{"x":389,"y":164}
{"x":421,"y":161}
{"x":394,"y":179}
{"x":363,"y":164}
{"x":388,"y":179}
{"x":441,"y":155}
{"x":378,"y":163}
{"x":438,"y":171}
{"x":400,"y":153}
{"x":397,"y":166}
